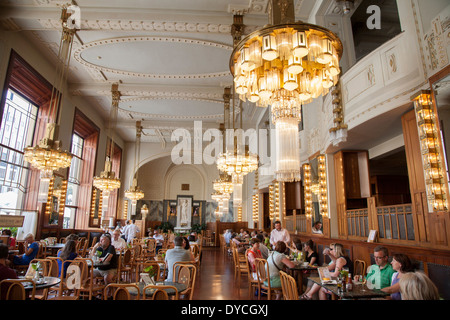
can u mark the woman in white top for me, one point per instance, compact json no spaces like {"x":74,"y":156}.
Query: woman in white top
{"x":277,"y":260}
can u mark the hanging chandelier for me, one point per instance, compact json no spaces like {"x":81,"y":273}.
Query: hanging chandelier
{"x":237,"y":161}
{"x":223,"y":184}
{"x":107,"y":180}
{"x":47,"y":156}
{"x":285,"y":65}
{"x":135,"y":193}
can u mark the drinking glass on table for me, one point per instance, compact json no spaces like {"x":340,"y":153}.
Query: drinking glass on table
{"x":363,"y":281}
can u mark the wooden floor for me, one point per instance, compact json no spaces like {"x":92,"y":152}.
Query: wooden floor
{"x":215,"y":279}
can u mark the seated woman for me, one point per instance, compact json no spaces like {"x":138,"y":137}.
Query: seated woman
{"x":296,"y":246}
{"x":239,"y":244}
{"x":69,"y":252}
{"x":338,"y":262}
{"x":252,"y":254}
{"x":277,"y":260}
{"x":311,"y":256}
{"x":401,"y":264}
{"x":30,"y":253}
{"x":11,"y":240}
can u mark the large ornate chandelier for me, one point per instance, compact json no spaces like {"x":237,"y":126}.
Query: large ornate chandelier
{"x":285,"y":65}
{"x":107,"y":180}
{"x":47,"y":156}
{"x":135,"y":193}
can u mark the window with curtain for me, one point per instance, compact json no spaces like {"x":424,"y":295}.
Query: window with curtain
{"x":74,"y":181}
{"x":16,"y":133}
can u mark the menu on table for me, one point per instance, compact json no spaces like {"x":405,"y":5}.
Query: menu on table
{"x":325,"y":276}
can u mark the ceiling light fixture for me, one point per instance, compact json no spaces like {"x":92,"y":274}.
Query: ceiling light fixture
{"x":107,"y":180}
{"x":285,"y":65}
{"x":135,"y":193}
{"x":47,"y":155}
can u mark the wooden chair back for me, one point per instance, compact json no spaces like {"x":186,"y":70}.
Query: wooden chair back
{"x":185,"y":272}
{"x":74,"y":278}
{"x":55,"y":267}
{"x":359,"y":267}
{"x":159,"y":293}
{"x":21,"y":247}
{"x":62,"y":240}
{"x":120,"y":291}
{"x":14,"y":289}
{"x":42,"y":250}
{"x":288,"y":286}
{"x":94,"y":241}
{"x":46,"y":265}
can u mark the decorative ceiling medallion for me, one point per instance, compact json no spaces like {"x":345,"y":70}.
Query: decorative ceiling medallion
{"x":79,"y":51}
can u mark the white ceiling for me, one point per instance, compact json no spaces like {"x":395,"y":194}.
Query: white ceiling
{"x":170,"y":57}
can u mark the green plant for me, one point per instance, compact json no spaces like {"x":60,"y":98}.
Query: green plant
{"x":151,"y":271}
{"x":165,"y":227}
{"x":197,"y":227}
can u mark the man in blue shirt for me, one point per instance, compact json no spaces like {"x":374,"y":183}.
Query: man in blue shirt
{"x":30,"y":253}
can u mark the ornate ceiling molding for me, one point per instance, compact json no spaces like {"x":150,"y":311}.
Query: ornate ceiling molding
{"x":77,"y":55}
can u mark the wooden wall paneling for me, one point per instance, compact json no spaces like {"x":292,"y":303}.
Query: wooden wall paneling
{"x":341,"y":205}
{"x":416,"y":175}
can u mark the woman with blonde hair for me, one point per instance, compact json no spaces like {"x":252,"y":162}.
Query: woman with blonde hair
{"x":339,"y":261}
{"x":417,"y":286}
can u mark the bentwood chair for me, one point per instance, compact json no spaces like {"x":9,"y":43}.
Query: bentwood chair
{"x":288,"y":286}
{"x":125,"y":266}
{"x":240,"y":265}
{"x":89,"y":287}
{"x":159,"y":293}
{"x":185,"y":272}
{"x":253,"y":282}
{"x":359,"y":267}
{"x":14,"y":289}
{"x":69,"y":287}
{"x":47,"y":266}
{"x":120,"y":291}
{"x":262,"y":269}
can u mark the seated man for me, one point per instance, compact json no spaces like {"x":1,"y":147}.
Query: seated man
{"x":107,"y":254}
{"x":174,"y":255}
{"x":379,"y":275}
{"x":118,"y":242}
{"x":30,"y":253}
{"x":159,"y":239}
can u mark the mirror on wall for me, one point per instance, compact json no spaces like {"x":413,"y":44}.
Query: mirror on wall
{"x":315,"y":188}
{"x":56,"y":199}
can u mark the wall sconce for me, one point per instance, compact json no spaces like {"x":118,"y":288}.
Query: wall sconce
{"x":277,"y":200}
{"x":307,"y":190}
{"x":338,"y":133}
{"x":271,"y":202}
{"x":125,"y":209}
{"x":430,"y":146}
{"x":240,"y":213}
{"x":255,"y":207}
{"x":48,"y":205}
{"x":323,"y":190}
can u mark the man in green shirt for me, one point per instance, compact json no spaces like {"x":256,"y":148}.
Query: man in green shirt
{"x":379,"y":275}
